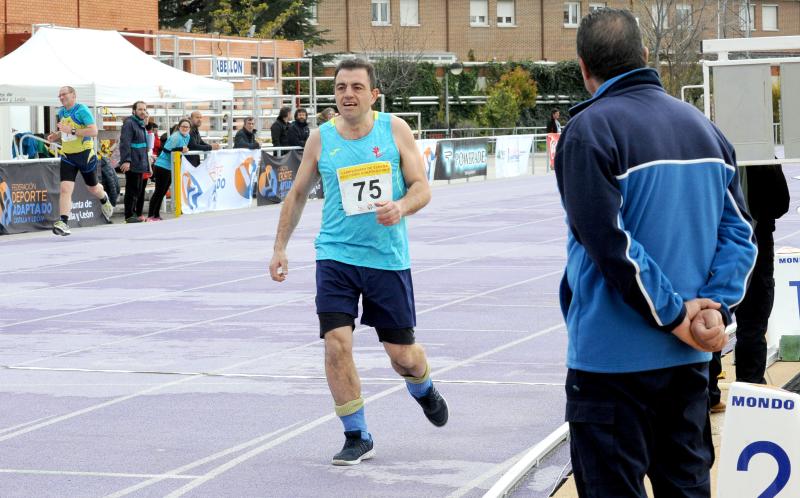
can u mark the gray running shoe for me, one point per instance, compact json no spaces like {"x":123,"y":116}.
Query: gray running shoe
{"x":355,"y":449}
{"x":434,"y":406}
{"x":61,"y":228}
{"x":107,"y":209}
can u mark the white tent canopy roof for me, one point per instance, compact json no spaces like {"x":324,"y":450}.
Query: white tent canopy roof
{"x":103,"y":67}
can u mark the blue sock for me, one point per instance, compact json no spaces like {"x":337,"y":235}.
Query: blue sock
{"x":356,"y":421}
{"x":419,"y":389}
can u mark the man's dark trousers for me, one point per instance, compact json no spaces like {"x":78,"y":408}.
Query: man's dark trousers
{"x":623,"y":426}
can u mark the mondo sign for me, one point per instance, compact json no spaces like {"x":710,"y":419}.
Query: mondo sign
{"x":760,"y":451}
{"x":229,"y":67}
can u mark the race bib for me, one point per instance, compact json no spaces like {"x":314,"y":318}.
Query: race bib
{"x":68,"y":137}
{"x":363,"y":185}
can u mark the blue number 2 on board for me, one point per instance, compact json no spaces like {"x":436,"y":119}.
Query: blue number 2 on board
{"x":780,"y":456}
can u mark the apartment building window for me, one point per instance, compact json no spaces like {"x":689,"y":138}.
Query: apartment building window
{"x":478,"y":13}
{"x":683,"y":14}
{"x":380,"y":12}
{"x":747,"y":17}
{"x":409,"y":12}
{"x":312,"y":14}
{"x":596,"y":6}
{"x":769,"y":18}
{"x":572,"y":14}
{"x":505,"y":12}
{"x":660,"y":18}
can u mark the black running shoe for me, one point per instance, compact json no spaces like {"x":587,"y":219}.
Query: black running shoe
{"x":355,"y":449}
{"x":434,"y":406}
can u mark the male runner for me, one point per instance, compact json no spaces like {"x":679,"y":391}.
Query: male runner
{"x":373,"y":178}
{"x":76,"y":128}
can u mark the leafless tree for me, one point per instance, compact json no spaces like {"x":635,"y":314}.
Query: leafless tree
{"x":395,"y":50}
{"x":673,"y":32}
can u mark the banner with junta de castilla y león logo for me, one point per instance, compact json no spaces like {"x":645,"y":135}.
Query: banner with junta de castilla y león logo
{"x":29,"y":198}
{"x":461,"y":158}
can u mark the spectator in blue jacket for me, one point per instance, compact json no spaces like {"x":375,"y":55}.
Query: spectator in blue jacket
{"x":133,"y":158}
{"x":162,"y":172}
{"x":659,"y":251}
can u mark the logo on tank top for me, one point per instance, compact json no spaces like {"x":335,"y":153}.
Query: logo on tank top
{"x":376,"y":151}
{"x":334,"y":151}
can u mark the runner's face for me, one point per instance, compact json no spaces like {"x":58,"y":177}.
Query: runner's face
{"x":354,"y":97}
{"x":66,"y":97}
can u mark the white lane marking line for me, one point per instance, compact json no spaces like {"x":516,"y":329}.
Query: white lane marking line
{"x":161,"y":331}
{"x":213,"y":473}
{"x":392,"y":380}
{"x":498,"y":229}
{"x":94,"y":251}
{"x":95,"y":474}
{"x":188,"y":325}
{"x":202,"y":461}
{"x":24,"y":424}
{"x":492,"y":472}
{"x":787,"y":236}
{"x":115,"y":401}
{"x":138,"y":299}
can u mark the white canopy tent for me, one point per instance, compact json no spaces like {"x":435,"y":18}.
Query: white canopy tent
{"x":103,"y":67}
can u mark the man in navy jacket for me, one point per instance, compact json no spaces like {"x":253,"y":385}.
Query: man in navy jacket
{"x":133,"y":160}
{"x":659,"y":252}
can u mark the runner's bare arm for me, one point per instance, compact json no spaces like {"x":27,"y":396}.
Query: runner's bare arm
{"x":293,"y":206}
{"x":419,"y":192}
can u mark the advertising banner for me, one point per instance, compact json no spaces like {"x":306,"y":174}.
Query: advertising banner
{"x":427,"y":148}
{"x":29,"y":196}
{"x":224,"y":180}
{"x":276,"y":177}
{"x":511,"y":155}
{"x":461,"y":158}
{"x":552,"y":142}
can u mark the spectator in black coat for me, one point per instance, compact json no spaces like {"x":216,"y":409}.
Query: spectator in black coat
{"x":195,"y":141}
{"x":767,"y":200}
{"x":553,"y":124}
{"x":280,"y":128}
{"x":246,"y":137}
{"x":133,"y":158}
{"x":298,"y":130}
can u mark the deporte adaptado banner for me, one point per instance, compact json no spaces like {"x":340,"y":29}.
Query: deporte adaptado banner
{"x":30,"y":193}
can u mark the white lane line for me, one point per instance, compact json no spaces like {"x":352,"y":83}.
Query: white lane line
{"x":84,"y":248}
{"x":189,"y":325}
{"x":138,"y":299}
{"x":162,"y":331}
{"x":498,"y":229}
{"x":24,"y":424}
{"x":215,"y":472}
{"x":489,"y":474}
{"x":392,"y":380}
{"x":202,"y":461}
{"x":95,"y":474}
{"x":787,"y":236}
{"x":115,"y":401}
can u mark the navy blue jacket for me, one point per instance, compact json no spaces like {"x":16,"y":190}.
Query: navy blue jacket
{"x":133,"y":145}
{"x":656,"y":217}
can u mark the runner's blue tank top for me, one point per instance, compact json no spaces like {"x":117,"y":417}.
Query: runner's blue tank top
{"x":359,"y":239}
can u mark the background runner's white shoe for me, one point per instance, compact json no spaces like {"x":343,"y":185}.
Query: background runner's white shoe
{"x":108,"y":209}
{"x":61,"y":228}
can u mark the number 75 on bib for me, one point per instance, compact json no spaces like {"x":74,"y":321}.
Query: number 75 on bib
{"x":363,"y":185}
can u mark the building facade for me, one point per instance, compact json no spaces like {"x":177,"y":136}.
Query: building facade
{"x":538,"y":30}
